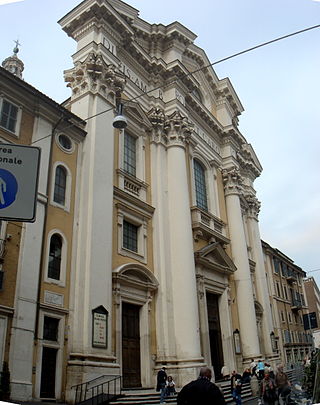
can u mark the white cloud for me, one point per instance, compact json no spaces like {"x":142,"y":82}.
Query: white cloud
{"x":2,"y":2}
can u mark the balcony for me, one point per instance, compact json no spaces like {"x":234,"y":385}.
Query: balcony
{"x":296,"y":305}
{"x":291,"y":276}
{"x":207,"y":226}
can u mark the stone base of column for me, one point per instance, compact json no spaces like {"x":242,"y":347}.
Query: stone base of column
{"x":20,"y":391}
{"x":182,"y":370}
{"x":82,"y":368}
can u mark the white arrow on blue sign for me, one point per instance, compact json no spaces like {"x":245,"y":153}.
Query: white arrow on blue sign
{"x":19,"y":171}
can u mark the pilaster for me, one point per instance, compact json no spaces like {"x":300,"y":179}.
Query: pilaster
{"x":260,"y":272}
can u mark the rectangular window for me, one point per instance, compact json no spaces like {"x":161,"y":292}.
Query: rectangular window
{"x":9,"y":116}
{"x":285,"y":292}
{"x":282,"y":316}
{"x":276,"y":265}
{"x":278,"y":289}
{"x":130,"y":236}
{"x":284,"y":269}
{"x":50,"y":328}
{"x":130,"y":155}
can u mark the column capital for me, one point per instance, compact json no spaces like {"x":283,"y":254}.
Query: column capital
{"x":253,"y":206}
{"x":157,"y":118}
{"x":232,"y":181}
{"x":178,"y":129}
{"x":95,"y":75}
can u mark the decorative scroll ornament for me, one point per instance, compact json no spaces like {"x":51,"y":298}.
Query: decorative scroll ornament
{"x":233,"y":181}
{"x":178,"y":129}
{"x":96,"y":76}
{"x":254,"y":205}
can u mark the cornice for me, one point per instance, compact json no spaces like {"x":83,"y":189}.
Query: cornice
{"x":129,"y":201}
{"x":204,"y":114}
{"x":94,"y":12}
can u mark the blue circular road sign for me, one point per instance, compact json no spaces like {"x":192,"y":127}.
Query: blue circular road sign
{"x":8,"y":188}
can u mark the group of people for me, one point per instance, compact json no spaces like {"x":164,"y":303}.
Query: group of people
{"x":270,"y":387}
{"x":265,"y":384}
{"x":165,"y":385}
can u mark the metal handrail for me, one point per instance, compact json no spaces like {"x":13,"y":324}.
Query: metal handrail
{"x":99,"y":393}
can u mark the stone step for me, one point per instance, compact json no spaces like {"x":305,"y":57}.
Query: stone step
{"x":150,"y":396}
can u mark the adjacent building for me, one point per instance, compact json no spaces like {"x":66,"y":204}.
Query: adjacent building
{"x":288,"y":305}
{"x":146,"y":249}
{"x":35,"y":258}
{"x":312,"y":317}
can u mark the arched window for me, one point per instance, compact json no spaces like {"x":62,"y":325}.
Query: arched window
{"x":60,"y":183}
{"x":54,"y":263}
{"x":200,"y":185}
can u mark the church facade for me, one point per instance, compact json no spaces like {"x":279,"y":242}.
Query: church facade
{"x":168,"y":244}
{"x":146,"y":250}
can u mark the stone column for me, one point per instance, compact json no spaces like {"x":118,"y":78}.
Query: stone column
{"x":260,"y":272}
{"x":177,"y":307}
{"x":181,"y":244}
{"x":244,"y":291}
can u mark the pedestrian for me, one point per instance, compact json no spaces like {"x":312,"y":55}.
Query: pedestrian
{"x":225,"y":372}
{"x":161,"y":384}
{"x":236,"y":387}
{"x":201,"y":391}
{"x":268,"y":390}
{"x":170,"y":386}
{"x":246,"y":375}
{"x":282,"y":383}
{"x":260,"y":369}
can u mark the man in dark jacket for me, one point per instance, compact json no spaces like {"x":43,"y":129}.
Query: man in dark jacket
{"x":161,"y":383}
{"x":201,"y":391}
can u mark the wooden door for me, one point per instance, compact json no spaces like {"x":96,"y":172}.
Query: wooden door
{"x":48,"y":373}
{"x":215,"y":334}
{"x":131,"y":346}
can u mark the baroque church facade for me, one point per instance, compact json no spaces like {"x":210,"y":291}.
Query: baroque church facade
{"x":146,"y":248}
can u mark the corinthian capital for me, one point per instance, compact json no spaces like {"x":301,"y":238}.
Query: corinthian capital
{"x":94,"y":75}
{"x":157,"y":119}
{"x":178,"y":129}
{"x":254,"y":205}
{"x":232,"y":181}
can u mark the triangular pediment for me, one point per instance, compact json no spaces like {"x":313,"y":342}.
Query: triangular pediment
{"x":214,"y":257}
{"x":135,"y":113}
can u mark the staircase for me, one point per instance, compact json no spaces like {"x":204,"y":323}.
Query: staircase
{"x":150,"y":396}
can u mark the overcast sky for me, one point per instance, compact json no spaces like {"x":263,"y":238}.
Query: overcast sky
{"x":278,"y":86}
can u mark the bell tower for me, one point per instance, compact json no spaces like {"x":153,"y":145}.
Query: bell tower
{"x":13,"y":64}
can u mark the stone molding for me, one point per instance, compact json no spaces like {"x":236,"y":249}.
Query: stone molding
{"x":232,"y":181}
{"x":96,"y":76}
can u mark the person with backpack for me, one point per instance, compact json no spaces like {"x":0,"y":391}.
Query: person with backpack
{"x":236,"y":387}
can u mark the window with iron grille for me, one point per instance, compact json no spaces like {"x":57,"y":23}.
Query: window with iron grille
{"x":60,"y":185}
{"x":200,"y":186}
{"x":9,"y":116}
{"x":130,"y":154}
{"x":50,"y":328}
{"x":54,"y":266}
{"x":130,"y":236}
